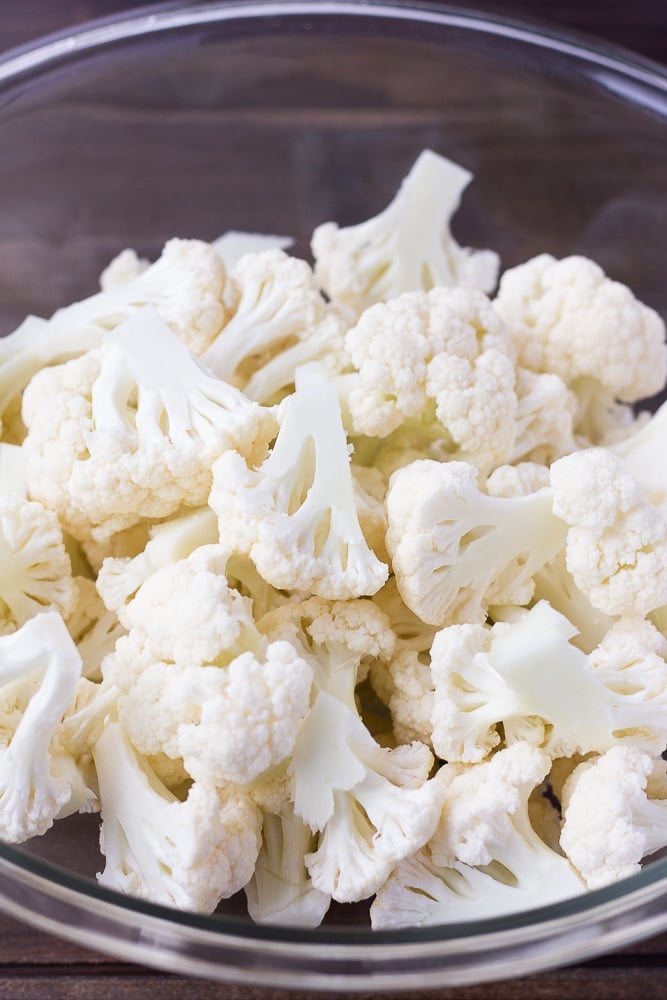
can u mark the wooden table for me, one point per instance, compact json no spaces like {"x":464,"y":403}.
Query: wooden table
{"x":35,"y":965}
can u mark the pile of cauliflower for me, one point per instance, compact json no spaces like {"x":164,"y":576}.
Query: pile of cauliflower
{"x":344,"y":582}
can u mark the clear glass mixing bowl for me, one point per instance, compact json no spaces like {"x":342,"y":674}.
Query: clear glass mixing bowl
{"x":190,"y":119}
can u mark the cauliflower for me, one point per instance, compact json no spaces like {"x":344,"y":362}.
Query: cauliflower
{"x":376,"y":805}
{"x":186,"y":854}
{"x":528,"y":677}
{"x":617,"y":540}
{"x":131,"y":431}
{"x":187,"y":286}
{"x":280,"y":321}
{"x":93,"y":627}
{"x":485,"y":858}
{"x":199,"y":682}
{"x":640,"y":455}
{"x":569,"y":319}
{"x":407,"y":247}
{"x":234,"y":244}
{"x":39,"y":671}
{"x":281,"y":891}
{"x":36,"y":344}
{"x":439,"y":360}
{"x":119,"y":578}
{"x":124,"y":268}
{"x":295,"y":515}
{"x":456,"y":550}
{"x":544,"y":419}
{"x":35,"y":570}
{"x":610,"y":818}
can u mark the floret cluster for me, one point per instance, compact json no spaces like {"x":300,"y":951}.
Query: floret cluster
{"x":344,"y":582}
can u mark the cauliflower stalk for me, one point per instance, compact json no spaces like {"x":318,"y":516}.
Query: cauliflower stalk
{"x":295,"y":515}
{"x":408,"y":246}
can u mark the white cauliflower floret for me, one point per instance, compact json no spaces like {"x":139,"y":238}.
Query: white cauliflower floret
{"x":35,"y":570}
{"x":439,"y":360}
{"x":485,"y":858}
{"x":131,"y":431}
{"x":39,"y":671}
{"x":338,"y":638}
{"x":544,"y":418}
{"x":405,"y":686}
{"x":617,"y":540}
{"x":529,"y":677}
{"x":611,"y":821}
{"x":186,"y":286}
{"x":295,"y":515}
{"x":517,"y":480}
{"x":640,"y":454}
{"x":408,"y":246}
{"x":119,"y":578}
{"x":199,"y":682}
{"x":281,"y":891}
{"x":455,"y":550}
{"x":93,"y":627}
{"x":280,"y":321}
{"x":186,"y":854}
{"x":36,"y":344}
{"x":568,"y":318}
{"x":125,"y":267}
{"x":374,"y":808}
{"x":235,"y":243}
{"x":376,"y":805}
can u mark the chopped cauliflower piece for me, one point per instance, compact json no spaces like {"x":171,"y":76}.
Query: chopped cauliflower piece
{"x":130,"y":431}
{"x":408,"y":246}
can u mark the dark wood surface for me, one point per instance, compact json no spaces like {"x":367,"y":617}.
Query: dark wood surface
{"x":36,"y":965}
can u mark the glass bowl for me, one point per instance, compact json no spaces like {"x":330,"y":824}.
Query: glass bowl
{"x":191,"y":119}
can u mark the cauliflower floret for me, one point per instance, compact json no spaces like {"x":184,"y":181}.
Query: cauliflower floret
{"x":529,"y":677}
{"x":186,"y":285}
{"x":188,"y":854}
{"x":376,"y":805}
{"x":544,"y":419}
{"x":374,"y":808}
{"x":235,"y":243}
{"x":641,"y":456}
{"x":455,"y":550}
{"x":199,"y":682}
{"x":39,"y":671}
{"x":93,"y":627}
{"x":610,"y":819}
{"x":517,"y":480}
{"x":125,"y":267}
{"x":568,"y":318}
{"x":35,"y":570}
{"x":339,"y":639}
{"x":281,"y":891}
{"x":617,"y":540}
{"x":295,"y":515}
{"x":407,"y":247}
{"x":485,"y":858}
{"x":131,"y":431}
{"x":35,"y":344}
{"x":119,"y":578}
{"x":441,"y":360}
{"x":280,"y":321}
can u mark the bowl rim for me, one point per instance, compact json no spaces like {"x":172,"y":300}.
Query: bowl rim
{"x":217,"y":947}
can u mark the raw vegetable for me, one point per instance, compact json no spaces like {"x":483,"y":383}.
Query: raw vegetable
{"x":345,"y":595}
